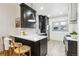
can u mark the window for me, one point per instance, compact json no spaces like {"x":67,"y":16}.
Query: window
{"x":60,"y":26}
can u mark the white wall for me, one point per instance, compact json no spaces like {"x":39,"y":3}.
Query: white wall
{"x":78,"y":17}
{"x":8,"y":13}
{"x":57,"y":35}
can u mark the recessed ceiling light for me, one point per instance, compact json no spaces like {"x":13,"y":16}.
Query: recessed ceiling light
{"x":41,"y":8}
{"x":48,"y":15}
{"x":61,"y":13}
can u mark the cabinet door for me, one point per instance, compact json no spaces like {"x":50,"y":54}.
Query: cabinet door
{"x":23,"y":21}
{"x":36,"y":48}
{"x":72,"y":48}
{"x":43,"y":47}
{"x":26,"y":14}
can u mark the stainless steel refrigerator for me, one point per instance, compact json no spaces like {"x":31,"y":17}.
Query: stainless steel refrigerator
{"x":44,"y":25}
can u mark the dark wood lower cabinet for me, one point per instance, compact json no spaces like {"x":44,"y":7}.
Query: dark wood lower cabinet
{"x":38,"y":48}
{"x":72,"y":48}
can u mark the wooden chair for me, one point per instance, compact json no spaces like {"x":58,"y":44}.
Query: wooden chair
{"x":19,"y":49}
{"x":2,"y":51}
{"x":11,"y":46}
{"x":6,"y":45}
{"x":15,"y":48}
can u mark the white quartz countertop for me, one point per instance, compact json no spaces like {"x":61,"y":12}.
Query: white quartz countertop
{"x":30,"y":37}
{"x":69,"y":38}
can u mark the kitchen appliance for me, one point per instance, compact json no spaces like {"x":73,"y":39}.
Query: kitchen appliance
{"x":44,"y":25}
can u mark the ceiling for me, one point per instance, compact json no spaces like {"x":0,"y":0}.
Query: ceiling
{"x":51,"y":9}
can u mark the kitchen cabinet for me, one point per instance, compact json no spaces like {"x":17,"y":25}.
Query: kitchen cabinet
{"x":71,"y":47}
{"x":43,"y":47}
{"x":38,"y":48}
{"x":72,"y":14}
{"x":28,"y":16}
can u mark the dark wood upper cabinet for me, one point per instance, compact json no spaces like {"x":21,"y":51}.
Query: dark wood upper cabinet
{"x":28,"y":16}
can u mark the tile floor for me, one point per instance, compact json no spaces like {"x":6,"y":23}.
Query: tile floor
{"x":56,"y":48}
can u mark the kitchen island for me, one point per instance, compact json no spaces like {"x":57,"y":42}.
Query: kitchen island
{"x":37,"y":43}
{"x":71,"y":46}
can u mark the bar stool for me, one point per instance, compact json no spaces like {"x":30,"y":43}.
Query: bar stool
{"x":6,"y":45}
{"x":21,"y":50}
{"x":27,"y":49}
{"x":2,"y":45}
{"x":15,"y":45}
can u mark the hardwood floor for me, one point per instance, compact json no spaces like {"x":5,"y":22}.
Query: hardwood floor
{"x":56,"y":48}
{"x":7,"y":53}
